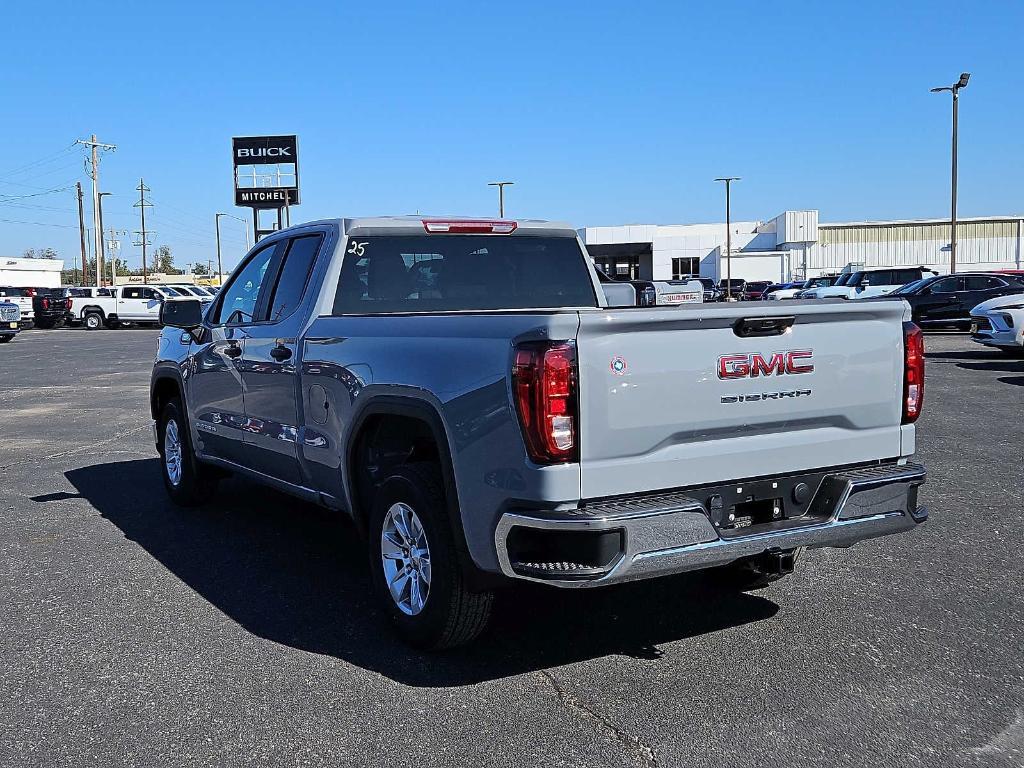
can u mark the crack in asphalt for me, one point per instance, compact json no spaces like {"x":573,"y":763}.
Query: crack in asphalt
{"x":641,"y":752}
{"x":80,"y":449}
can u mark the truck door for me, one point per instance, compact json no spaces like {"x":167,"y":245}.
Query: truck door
{"x":269,"y":363}
{"x":216,"y":407}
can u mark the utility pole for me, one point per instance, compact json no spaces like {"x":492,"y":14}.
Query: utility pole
{"x":728,"y":233}
{"x":94,"y":173}
{"x":114,"y":246}
{"x":501,"y":194}
{"x":143,"y":235}
{"x":81,"y":230}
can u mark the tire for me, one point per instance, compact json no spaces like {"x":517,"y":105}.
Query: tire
{"x":5,"y":339}
{"x":187,"y":481}
{"x":449,"y":614}
{"x":92,"y":321}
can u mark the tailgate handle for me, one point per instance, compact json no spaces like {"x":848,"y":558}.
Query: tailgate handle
{"x":762,"y":326}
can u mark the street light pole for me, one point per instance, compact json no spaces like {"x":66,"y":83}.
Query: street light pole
{"x":220,"y":268}
{"x":99,"y":199}
{"x":728,"y":233}
{"x":501,"y":194}
{"x":955,"y":90}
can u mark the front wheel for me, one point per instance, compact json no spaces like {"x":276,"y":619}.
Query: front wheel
{"x":415,"y":571}
{"x":187,"y":481}
{"x":93,"y":321}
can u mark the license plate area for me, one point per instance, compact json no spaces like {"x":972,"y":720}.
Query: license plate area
{"x":766,"y":504}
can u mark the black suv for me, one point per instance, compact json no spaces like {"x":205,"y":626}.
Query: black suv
{"x":947,"y":300}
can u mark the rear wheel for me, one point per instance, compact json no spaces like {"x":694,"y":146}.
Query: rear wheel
{"x":415,"y":571}
{"x":188,"y":482}
{"x":93,"y":321}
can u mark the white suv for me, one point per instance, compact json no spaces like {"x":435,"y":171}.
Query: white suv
{"x":867,"y":283}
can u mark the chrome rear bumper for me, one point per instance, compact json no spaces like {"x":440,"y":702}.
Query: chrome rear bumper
{"x":672,"y":533}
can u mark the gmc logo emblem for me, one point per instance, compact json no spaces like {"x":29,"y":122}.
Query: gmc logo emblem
{"x":755,"y":365}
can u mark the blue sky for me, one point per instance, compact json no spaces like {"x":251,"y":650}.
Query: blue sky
{"x":601,"y":113}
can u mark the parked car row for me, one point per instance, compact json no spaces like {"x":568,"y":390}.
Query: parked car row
{"x":92,"y":307}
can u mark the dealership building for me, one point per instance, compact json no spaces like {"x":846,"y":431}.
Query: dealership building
{"x":795,"y":245}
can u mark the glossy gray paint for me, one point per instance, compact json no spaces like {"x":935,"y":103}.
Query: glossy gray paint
{"x":659,"y":426}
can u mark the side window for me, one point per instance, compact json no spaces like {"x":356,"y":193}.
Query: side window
{"x":880,"y":277}
{"x":904,"y":276}
{"x":241,"y":295}
{"x":983,"y":283}
{"x":131,"y":293}
{"x":149,"y":293}
{"x":294,"y":275}
{"x":946,"y":285}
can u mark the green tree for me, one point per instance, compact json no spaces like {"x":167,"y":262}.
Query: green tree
{"x":199,"y":268}
{"x":40,"y":253}
{"x":163,"y":261}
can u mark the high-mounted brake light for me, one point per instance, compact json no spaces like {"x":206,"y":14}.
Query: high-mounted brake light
{"x":469,"y":227}
{"x":544,"y":386}
{"x":913,"y":372}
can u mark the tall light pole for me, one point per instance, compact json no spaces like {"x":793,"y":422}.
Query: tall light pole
{"x":245,"y":227}
{"x":220,"y":268}
{"x":728,"y":233}
{"x":501,"y":194}
{"x":955,"y":90}
{"x":99,"y":239}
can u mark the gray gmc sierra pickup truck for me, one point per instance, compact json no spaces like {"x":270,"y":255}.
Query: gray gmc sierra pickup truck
{"x":461,"y":389}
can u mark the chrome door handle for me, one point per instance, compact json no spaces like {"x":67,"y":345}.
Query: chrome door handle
{"x":280,"y":353}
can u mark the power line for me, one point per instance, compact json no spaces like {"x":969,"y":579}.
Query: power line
{"x":40,"y":161}
{"x":37,"y":223}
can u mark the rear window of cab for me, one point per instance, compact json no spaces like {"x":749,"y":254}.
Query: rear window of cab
{"x":451,"y":273}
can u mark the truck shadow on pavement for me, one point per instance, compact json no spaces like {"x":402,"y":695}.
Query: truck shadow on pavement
{"x":296,"y":574}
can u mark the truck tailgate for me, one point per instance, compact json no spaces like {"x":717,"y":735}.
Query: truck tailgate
{"x":670,"y":398}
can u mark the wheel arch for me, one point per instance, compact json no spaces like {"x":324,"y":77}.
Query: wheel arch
{"x":412,"y":411}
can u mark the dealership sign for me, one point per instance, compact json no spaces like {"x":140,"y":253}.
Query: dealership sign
{"x":260,"y":186}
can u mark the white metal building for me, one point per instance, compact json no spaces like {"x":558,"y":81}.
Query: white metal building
{"x":793,"y":245}
{"x":35,"y":273}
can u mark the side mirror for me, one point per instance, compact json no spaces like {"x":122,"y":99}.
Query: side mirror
{"x":185,"y":314}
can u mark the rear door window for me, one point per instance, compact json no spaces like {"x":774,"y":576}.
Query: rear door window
{"x":903,"y":276}
{"x":294,"y":276}
{"x":131,"y":293}
{"x":983,"y":283}
{"x":447,"y":273}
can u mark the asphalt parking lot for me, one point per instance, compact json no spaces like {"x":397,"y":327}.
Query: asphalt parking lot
{"x":136,"y":633}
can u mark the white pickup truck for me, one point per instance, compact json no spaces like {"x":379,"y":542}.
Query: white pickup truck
{"x":125,"y":304}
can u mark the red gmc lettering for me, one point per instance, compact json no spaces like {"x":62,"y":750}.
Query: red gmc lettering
{"x":801,"y":354}
{"x":759,"y":367}
{"x":733,"y":367}
{"x":755,"y":365}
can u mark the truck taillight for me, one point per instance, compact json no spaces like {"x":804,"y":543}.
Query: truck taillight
{"x":913,"y":372}
{"x":46,"y":303}
{"x":544,"y":386}
{"x":67,"y":303}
